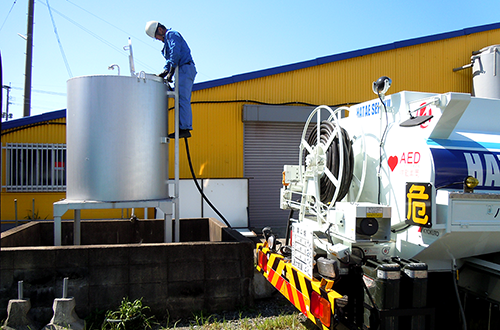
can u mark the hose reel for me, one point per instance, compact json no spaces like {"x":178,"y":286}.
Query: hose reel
{"x":333,"y":161}
{"x":330,"y":143}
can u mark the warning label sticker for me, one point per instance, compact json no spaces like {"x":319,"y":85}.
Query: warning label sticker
{"x":302,"y":249}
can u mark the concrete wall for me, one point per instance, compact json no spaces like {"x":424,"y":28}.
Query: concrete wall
{"x":116,"y":231}
{"x":178,"y":278}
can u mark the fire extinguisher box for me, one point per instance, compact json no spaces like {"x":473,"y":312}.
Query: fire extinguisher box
{"x":382,"y":287}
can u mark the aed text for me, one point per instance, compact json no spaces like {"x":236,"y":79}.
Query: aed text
{"x":410,"y":157}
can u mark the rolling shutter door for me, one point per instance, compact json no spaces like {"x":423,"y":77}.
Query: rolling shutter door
{"x":267,"y":147}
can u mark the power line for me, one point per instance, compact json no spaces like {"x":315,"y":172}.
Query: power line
{"x":116,"y":27}
{"x":118,"y":49}
{"x":86,"y":30}
{"x":8,"y":14}
{"x":42,"y":91}
{"x":59,"y":42}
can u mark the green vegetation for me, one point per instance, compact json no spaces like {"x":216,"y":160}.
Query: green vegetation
{"x":131,"y":315}
{"x":280,"y":322}
{"x":294,"y":321}
{"x":34,"y":215}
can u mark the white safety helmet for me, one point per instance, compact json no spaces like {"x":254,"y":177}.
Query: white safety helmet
{"x":151,"y":27}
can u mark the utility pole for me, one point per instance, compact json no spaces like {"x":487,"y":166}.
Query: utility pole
{"x":7,"y":88}
{"x":29,"y":60}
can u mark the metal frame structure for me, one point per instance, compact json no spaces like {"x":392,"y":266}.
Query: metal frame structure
{"x":61,"y":207}
{"x":175,"y":95}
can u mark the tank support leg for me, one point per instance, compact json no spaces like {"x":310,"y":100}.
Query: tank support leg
{"x":76,"y":228}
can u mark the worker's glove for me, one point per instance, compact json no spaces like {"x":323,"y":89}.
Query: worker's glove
{"x":163,"y":74}
{"x":170,"y":74}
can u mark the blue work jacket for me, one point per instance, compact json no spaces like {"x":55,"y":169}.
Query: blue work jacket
{"x":175,"y":50}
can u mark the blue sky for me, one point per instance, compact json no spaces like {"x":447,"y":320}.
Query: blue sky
{"x":226,"y":37}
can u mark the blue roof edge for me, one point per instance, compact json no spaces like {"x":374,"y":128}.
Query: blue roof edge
{"x":282,"y":69}
{"x":34,"y":119}
{"x":343,"y":56}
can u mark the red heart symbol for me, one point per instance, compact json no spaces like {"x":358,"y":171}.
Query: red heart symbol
{"x":393,"y":161}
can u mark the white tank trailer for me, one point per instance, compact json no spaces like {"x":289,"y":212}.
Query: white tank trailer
{"x":117,"y":146}
{"x":402,"y":190}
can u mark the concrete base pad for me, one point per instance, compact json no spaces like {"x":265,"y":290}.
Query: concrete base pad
{"x":17,"y":318}
{"x":65,"y":316}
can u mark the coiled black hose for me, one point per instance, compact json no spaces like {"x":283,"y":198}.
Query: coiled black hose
{"x":327,"y":187}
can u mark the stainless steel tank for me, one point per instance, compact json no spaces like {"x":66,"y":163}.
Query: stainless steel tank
{"x":486,"y":72}
{"x":116,"y":133}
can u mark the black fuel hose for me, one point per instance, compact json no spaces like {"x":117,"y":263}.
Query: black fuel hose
{"x":199,"y":188}
{"x":327,"y":187}
{"x":288,"y":227}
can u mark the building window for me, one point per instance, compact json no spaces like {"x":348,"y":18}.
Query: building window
{"x":34,"y":167}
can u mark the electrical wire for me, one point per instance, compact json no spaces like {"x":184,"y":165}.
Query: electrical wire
{"x":269,"y":103}
{"x":42,"y":91}
{"x":328,"y":235}
{"x":199,"y":188}
{"x":257,"y":102}
{"x":196,"y":102}
{"x":379,"y":176}
{"x":103,"y":20}
{"x":59,"y":41}
{"x":396,"y":231}
{"x":118,"y":49}
{"x":104,"y":41}
{"x":8,"y":14}
{"x":266,"y":103}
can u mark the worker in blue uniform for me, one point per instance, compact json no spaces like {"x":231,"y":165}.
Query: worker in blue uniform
{"x":178,"y":56}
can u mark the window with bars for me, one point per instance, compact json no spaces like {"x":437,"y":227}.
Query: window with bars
{"x":34,"y":167}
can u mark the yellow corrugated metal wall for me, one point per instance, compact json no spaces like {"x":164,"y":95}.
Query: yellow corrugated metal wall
{"x":216,"y":145}
{"x":217,"y":142}
{"x":52,"y":131}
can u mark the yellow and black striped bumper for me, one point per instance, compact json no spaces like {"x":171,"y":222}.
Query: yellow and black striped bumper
{"x":314,"y":298}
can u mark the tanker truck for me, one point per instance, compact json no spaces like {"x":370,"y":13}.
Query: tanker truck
{"x":394,"y":214}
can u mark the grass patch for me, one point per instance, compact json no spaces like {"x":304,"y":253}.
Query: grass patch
{"x":274,"y":313}
{"x":280,"y":322}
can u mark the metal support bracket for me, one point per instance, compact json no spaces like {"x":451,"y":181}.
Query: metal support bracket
{"x":61,"y":207}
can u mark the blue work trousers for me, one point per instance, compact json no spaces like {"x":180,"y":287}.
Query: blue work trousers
{"x":187,"y":73}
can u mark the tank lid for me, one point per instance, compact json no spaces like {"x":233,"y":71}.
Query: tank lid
{"x":488,"y":49}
